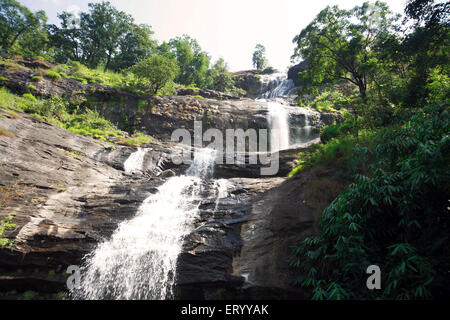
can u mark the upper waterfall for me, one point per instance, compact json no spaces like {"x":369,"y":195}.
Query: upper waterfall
{"x":276,"y":85}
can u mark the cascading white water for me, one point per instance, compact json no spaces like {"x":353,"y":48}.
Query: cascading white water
{"x":135,"y":162}
{"x":139,"y":261}
{"x":279,"y":126}
{"x":277,"y":85}
{"x":286,"y":129}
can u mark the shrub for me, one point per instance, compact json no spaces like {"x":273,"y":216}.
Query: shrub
{"x":53,"y":75}
{"x":36,"y":78}
{"x":6,"y":224}
{"x":395,"y":217}
{"x":334,"y":131}
{"x":29,"y":96}
{"x":155,"y":73}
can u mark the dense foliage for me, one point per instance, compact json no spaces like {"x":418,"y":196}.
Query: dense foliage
{"x":259,"y":57}
{"x":394,"y":139}
{"x":108,"y":39}
{"x":395,"y":216}
{"x":154,"y":73}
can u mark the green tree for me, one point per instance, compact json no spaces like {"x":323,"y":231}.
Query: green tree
{"x":135,"y":46}
{"x":193,"y":62}
{"x":341,"y":45}
{"x":259,"y":57}
{"x":101,"y":30}
{"x":155,"y":73}
{"x":427,"y":46}
{"x":16,"y":21}
{"x":66,"y":38}
{"x":219,"y":78}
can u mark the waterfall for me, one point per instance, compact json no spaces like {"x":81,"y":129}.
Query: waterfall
{"x":289,"y":126}
{"x":135,"y":162}
{"x":139,"y":261}
{"x":279,"y":126}
{"x":277,"y":85}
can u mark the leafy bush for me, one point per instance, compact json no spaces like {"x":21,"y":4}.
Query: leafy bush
{"x":53,"y":75}
{"x":334,"y":131}
{"x":60,"y":112}
{"x":155,"y":73}
{"x":6,"y":224}
{"x":36,"y":78}
{"x":395,"y":217}
{"x":29,"y":96}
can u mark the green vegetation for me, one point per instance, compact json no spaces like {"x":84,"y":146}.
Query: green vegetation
{"x":70,"y":116}
{"x":259,"y":57}
{"x":30,"y":295}
{"x":53,"y":75}
{"x":6,"y":224}
{"x":394,"y":141}
{"x":101,"y":45}
{"x":155,"y":73}
{"x":393,"y":216}
{"x":136,"y":140}
{"x":36,"y":78}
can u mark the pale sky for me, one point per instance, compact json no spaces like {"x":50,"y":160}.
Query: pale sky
{"x":224,"y":28}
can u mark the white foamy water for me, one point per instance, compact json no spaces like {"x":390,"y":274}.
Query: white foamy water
{"x":135,"y":162}
{"x":139,"y":261}
{"x":277,"y":85}
{"x":279,"y":126}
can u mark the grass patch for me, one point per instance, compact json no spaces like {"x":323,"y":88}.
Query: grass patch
{"x":37,"y":78}
{"x":73,"y":118}
{"x":53,"y":75}
{"x":337,"y":151}
{"x":136,"y":140}
{"x":5,"y":224}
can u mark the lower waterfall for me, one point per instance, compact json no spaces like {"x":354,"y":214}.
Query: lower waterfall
{"x":139,"y":260}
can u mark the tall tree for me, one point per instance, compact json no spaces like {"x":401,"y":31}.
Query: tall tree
{"x":101,"y":30}
{"x":66,"y":38}
{"x":259,"y":57}
{"x":135,"y":46}
{"x":154,"y":73}
{"x":427,"y":45}
{"x":193,"y":62}
{"x":340,"y":45}
{"x":15,"y":21}
{"x":219,"y":78}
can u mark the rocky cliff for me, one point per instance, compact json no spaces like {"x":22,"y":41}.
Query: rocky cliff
{"x":67,"y":193}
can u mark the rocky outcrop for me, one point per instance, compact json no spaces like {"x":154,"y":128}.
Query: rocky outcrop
{"x":65,"y":193}
{"x":294,"y":71}
{"x":204,"y":93}
{"x":250,"y":81}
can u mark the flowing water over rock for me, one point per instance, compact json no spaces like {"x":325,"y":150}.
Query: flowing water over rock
{"x":291,"y":127}
{"x":135,"y":163}
{"x":279,"y":125}
{"x":139,"y":261}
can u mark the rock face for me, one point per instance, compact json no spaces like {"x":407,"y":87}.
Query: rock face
{"x":67,"y":193}
{"x":205,"y":93}
{"x":294,"y":70}
{"x":250,"y":81}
